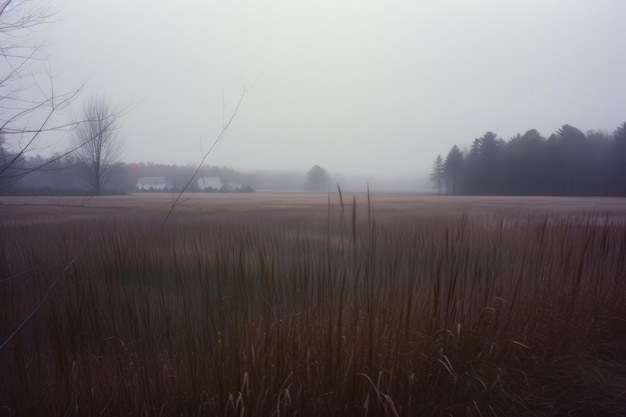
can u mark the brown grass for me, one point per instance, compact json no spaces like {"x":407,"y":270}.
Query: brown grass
{"x":285,"y":304}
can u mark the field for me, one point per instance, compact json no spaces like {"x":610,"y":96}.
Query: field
{"x":310,"y":304}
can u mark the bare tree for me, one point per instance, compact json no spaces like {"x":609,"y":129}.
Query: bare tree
{"x":30,"y":108}
{"x":97,"y":144}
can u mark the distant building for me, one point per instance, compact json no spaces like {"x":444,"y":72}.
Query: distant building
{"x":210,"y":183}
{"x":153,"y":183}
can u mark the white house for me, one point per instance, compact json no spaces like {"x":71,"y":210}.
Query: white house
{"x":153,"y":183}
{"x":209,"y":183}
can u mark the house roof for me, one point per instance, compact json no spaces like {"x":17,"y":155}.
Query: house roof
{"x":210,"y":182}
{"x":143,"y":181}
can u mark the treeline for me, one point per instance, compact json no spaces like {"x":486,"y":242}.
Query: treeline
{"x":567,"y":163}
{"x":65,"y":175}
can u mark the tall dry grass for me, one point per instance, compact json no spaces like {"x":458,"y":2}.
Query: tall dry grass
{"x":343,"y":315}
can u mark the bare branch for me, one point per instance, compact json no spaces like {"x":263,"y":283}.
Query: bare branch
{"x":30,"y":107}
{"x":220,"y":136}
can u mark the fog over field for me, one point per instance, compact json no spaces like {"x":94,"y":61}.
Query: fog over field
{"x":369,"y":88}
{"x":329,"y":208}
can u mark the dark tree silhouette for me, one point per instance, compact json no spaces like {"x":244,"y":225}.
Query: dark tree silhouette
{"x":317,"y":178}
{"x":568,"y":152}
{"x":483,"y":162}
{"x":569,"y":162}
{"x":523,"y":163}
{"x":618,"y":161}
{"x":453,"y":167}
{"x":11,"y":168}
{"x":437,"y":174}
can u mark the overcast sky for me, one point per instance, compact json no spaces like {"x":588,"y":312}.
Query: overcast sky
{"x":360,"y":86}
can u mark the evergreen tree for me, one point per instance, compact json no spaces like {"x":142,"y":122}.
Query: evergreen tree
{"x":437,"y":175}
{"x":453,"y":167}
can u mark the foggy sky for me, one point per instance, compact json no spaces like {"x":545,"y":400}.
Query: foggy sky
{"x":366,"y":87}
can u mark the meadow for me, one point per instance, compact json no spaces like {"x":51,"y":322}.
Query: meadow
{"x":312,"y":304}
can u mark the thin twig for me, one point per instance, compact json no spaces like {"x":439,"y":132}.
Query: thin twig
{"x":206,"y":154}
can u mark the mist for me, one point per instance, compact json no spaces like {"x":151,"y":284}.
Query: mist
{"x":371,"y":91}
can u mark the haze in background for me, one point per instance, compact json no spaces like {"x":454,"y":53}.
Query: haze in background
{"x":373,"y":88}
